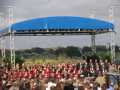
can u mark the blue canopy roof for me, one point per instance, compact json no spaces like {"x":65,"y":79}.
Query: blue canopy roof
{"x":59,"y":25}
{"x":62,"y":22}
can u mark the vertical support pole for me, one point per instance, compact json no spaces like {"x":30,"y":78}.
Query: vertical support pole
{"x":12,"y":45}
{"x":4,"y":55}
{"x":112,"y":34}
{"x":46,"y":26}
{"x":113,"y":46}
{"x":11,"y":36}
{"x":10,"y":18}
{"x":2,"y":46}
{"x":93,"y":43}
{"x":2,"y":40}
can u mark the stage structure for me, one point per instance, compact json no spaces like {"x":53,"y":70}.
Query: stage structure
{"x":57,"y":25}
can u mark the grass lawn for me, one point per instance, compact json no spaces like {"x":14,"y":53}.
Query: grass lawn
{"x":51,"y":61}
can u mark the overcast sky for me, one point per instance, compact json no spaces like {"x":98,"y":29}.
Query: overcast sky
{"x":27,"y":9}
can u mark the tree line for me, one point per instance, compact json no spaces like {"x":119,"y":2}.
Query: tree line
{"x":61,"y":53}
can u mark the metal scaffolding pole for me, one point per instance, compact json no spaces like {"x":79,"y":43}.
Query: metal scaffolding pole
{"x":2,"y":39}
{"x":112,"y":35}
{"x":93,"y":43}
{"x":113,"y":46}
{"x":11,"y":37}
{"x":2,"y":46}
{"x":12,"y":49}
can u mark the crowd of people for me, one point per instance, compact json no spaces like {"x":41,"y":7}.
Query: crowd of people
{"x":86,"y":75}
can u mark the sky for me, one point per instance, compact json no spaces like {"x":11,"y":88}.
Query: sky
{"x":28,"y":9}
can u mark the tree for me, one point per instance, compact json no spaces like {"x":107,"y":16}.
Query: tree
{"x":72,"y":51}
{"x":101,"y":49}
{"x":37,"y":50}
{"x":117,"y":48}
{"x":59,"y":51}
{"x":86,"y":50}
{"x":19,"y":59}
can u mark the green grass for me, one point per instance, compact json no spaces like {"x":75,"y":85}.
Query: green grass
{"x":51,"y":61}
